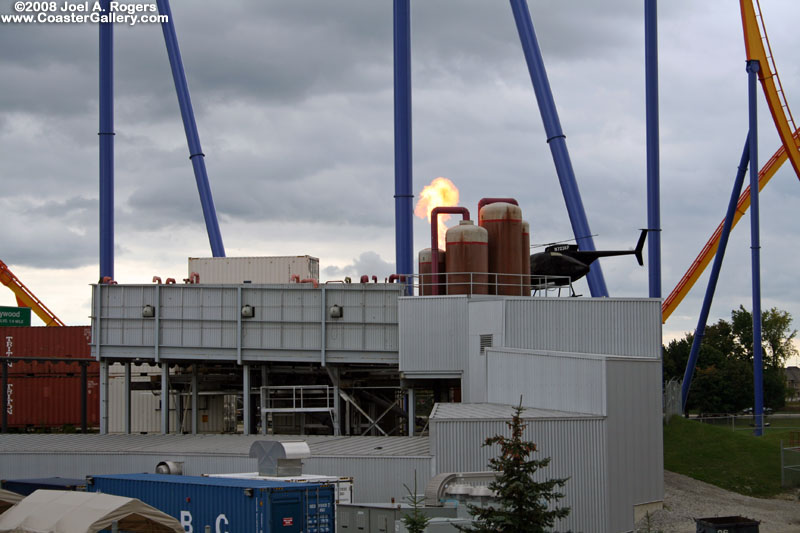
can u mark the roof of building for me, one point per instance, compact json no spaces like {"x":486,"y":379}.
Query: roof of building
{"x":793,"y":373}
{"x":218,"y":445}
{"x":493,"y":411}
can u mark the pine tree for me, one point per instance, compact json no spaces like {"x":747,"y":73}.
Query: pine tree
{"x":523,"y":505}
{"x":415,"y":521}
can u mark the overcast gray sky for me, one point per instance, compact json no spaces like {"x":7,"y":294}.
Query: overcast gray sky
{"x":294,"y":107}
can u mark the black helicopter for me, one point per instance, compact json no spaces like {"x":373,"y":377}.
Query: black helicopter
{"x":561,"y":264}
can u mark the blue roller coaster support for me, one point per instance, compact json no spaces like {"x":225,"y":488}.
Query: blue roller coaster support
{"x":653,"y":171}
{"x":192,"y":137}
{"x":106,"y":140}
{"x":755,"y":247}
{"x":557,"y":141}
{"x":403,"y":192}
{"x":714,"y":277}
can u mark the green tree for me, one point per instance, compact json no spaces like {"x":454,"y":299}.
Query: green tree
{"x":523,"y":504}
{"x":777,"y":335}
{"x":415,"y":521}
{"x":723,"y":381}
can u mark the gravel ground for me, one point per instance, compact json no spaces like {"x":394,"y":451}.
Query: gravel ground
{"x":686,"y":499}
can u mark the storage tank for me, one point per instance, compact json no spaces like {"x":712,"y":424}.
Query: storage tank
{"x":235,"y":505}
{"x":467,"y":260}
{"x":503,"y":222}
{"x":526,"y":258}
{"x":425,"y":277}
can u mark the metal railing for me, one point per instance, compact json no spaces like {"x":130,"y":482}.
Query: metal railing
{"x":486,"y":283}
{"x":790,"y":461}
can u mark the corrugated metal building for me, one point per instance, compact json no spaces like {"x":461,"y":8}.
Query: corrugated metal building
{"x":575,"y":443}
{"x":205,"y":322}
{"x":588,"y":369}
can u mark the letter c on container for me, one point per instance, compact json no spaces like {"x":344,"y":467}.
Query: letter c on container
{"x":220,"y":518}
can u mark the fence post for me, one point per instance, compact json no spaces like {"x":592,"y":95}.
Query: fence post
{"x":783,"y":465}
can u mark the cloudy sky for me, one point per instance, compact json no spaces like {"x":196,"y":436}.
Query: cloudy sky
{"x":294,"y":107}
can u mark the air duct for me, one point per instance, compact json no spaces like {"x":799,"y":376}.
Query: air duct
{"x":280,"y":458}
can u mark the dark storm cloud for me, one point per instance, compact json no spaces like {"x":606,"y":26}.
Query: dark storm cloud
{"x":294,"y":107}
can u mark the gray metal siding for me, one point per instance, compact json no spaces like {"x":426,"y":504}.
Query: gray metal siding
{"x":635,"y":439}
{"x":376,"y":479}
{"x":611,"y":326}
{"x":576,"y":449}
{"x":202,"y":322}
{"x":433,"y":333}
{"x":547,"y":380}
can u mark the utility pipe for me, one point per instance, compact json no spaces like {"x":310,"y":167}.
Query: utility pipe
{"x":403,"y":178}
{"x":653,"y":155}
{"x":435,"y":239}
{"x":714,"y":277}
{"x":557,"y":141}
{"x":106,"y":140}
{"x":196,"y":154}
{"x":755,"y":247}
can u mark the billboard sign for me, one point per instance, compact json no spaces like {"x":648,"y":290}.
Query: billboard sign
{"x":15,"y":316}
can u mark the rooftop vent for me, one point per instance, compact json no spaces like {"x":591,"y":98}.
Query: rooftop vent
{"x":280,"y":458}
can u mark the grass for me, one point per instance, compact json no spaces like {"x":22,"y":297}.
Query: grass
{"x":732,"y":460}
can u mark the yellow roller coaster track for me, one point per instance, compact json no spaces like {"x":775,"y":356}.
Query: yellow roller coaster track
{"x":25,"y":298}
{"x":758,"y":48}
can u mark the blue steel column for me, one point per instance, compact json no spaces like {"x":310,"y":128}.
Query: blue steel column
{"x":106,"y":140}
{"x":755,"y":246}
{"x":403,"y":192}
{"x":557,"y":141}
{"x":192,"y":137}
{"x":653,"y":155}
{"x":714,"y":277}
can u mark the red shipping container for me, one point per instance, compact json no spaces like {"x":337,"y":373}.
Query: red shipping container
{"x":51,"y":401}
{"x":59,"y":342}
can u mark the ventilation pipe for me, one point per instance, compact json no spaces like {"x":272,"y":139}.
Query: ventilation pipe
{"x":280,"y":459}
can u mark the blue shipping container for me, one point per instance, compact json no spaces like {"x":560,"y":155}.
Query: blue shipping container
{"x":228,"y":505}
{"x":29,"y":486}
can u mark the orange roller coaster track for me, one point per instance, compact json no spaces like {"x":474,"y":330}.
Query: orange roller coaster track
{"x":758,"y":48}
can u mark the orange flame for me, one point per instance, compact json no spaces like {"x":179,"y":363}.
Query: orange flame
{"x":440,"y":193}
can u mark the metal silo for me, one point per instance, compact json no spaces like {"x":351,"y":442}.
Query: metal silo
{"x":503,"y":222}
{"x":467,"y":259}
{"x":426,"y":279}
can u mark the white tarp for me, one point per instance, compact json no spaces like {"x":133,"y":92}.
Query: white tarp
{"x":55,"y":511}
{"x":7,"y":499}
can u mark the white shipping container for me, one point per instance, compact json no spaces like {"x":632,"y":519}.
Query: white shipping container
{"x":257,"y":270}
{"x":344,"y":485}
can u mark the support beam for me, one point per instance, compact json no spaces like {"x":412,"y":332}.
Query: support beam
{"x":653,"y":150}
{"x":84,"y":399}
{"x":246,"y":399}
{"x":196,"y":154}
{"x":195,"y":419}
{"x":164,"y":398}
{"x":333,"y":373}
{"x":403,"y":175}
{"x":263,"y":398}
{"x":128,"y":398}
{"x":106,"y":140}
{"x":557,"y":142}
{"x":714,"y":277}
{"x":755,"y":247}
{"x":4,"y":392}
{"x":104,"y":397}
{"x":411,"y":411}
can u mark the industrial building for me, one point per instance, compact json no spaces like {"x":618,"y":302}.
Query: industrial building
{"x":359,"y":359}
